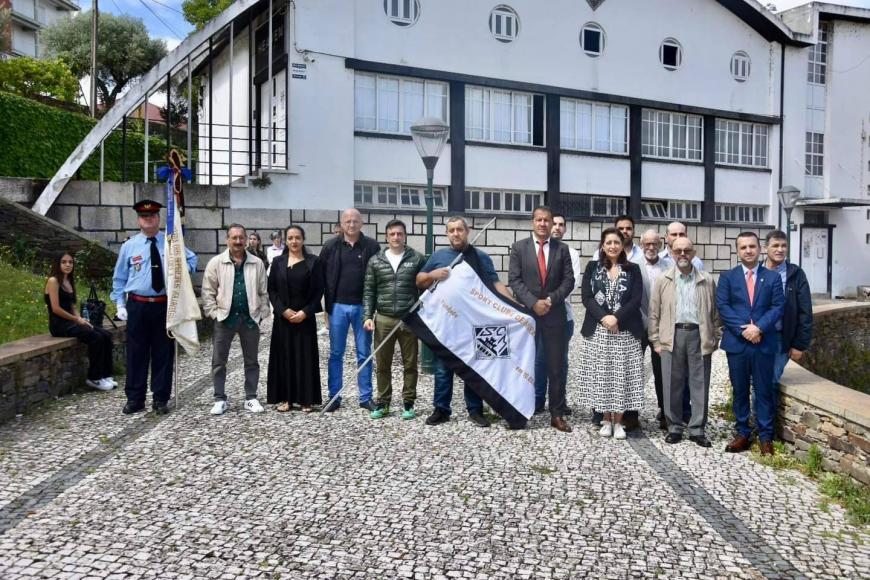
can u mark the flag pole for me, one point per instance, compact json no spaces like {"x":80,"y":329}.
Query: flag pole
{"x":400,"y":324}
{"x":175,"y":374}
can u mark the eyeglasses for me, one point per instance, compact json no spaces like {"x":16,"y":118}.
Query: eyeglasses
{"x":684,"y":252}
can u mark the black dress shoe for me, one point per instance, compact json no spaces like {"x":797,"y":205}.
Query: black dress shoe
{"x":567,"y":411}
{"x":437,"y":417}
{"x":674,"y":438}
{"x":478,"y":419}
{"x":700,"y":440}
{"x":160,"y":407}
{"x":368,"y":406}
{"x":332,"y":407}
{"x":539,"y":409}
{"x":132,"y":407}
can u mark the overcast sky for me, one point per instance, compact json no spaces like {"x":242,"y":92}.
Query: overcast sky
{"x":786,"y":4}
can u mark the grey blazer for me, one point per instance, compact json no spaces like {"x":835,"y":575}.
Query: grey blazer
{"x":525,"y":280}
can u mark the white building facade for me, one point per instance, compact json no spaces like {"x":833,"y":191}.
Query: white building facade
{"x":29,"y":17}
{"x":690,"y":110}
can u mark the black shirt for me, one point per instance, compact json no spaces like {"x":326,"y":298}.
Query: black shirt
{"x":352,"y":273}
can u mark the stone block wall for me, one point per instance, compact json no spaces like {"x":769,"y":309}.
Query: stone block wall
{"x":845,"y":444}
{"x":103,"y":212}
{"x":40,"y":368}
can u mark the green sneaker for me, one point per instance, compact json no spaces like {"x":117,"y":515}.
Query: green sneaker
{"x":380,"y":412}
{"x":408,"y":414}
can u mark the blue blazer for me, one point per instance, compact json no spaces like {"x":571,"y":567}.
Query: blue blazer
{"x":732,"y":299}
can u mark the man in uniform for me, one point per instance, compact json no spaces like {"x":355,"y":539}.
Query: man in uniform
{"x":139,"y":291}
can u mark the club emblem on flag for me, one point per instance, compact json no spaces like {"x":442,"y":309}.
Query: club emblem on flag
{"x":491,"y":342}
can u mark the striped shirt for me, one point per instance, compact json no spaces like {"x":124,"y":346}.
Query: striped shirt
{"x":687,"y":301}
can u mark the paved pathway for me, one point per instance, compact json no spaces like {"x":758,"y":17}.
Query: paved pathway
{"x":88,"y":492}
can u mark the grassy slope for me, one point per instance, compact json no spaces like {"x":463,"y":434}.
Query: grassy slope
{"x":22,"y":309}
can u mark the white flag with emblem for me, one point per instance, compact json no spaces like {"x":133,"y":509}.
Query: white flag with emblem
{"x":484,"y":338}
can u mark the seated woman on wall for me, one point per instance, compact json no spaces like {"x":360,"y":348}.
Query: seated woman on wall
{"x":64,"y":320}
{"x":611,"y":361}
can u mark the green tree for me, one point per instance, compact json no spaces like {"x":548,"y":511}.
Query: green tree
{"x":199,"y":12}
{"x":5,"y":29}
{"x":28,"y":77}
{"x":124,"y":50}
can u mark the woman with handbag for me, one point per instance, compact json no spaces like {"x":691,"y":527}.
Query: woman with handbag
{"x":64,"y":320}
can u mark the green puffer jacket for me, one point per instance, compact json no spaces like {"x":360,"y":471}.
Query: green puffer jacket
{"x":391,"y":293}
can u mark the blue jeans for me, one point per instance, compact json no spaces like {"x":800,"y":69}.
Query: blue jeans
{"x":444,"y":391}
{"x":779,"y":362}
{"x":541,"y":365}
{"x":341,"y":319}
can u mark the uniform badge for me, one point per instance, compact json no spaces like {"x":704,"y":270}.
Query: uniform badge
{"x":136,"y":262}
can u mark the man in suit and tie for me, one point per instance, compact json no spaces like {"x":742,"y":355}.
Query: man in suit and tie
{"x":541,"y":277}
{"x":750,"y":302}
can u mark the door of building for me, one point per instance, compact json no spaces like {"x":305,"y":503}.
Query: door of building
{"x":815,"y":257}
{"x":272,"y":140}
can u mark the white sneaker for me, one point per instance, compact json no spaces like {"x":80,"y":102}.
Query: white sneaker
{"x":606,"y":429}
{"x":254,"y":406}
{"x":110,"y":381}
{"x":108,"y":384}
{"x":99,"y":385}
{"x":618,"y":431}
{"x":219,"y":408}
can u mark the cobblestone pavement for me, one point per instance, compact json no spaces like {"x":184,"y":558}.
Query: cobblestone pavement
{"x":88,"y":492}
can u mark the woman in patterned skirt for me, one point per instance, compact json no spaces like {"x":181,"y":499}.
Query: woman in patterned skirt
{"x":611,"y":360}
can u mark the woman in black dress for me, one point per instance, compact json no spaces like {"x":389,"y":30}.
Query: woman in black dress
{"x":295,"y":290}
{"x":64,"y":320}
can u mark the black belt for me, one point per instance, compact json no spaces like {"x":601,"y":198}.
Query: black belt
{"x":686,"y":326}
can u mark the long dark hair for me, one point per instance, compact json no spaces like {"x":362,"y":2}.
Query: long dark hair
{"x":301,"y":231}
{"x":55,"y":271}
{"x":603,"y":258}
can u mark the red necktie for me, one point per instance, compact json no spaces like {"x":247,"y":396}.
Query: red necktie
{"x":542,"y":265}
{"x":750,"y":286}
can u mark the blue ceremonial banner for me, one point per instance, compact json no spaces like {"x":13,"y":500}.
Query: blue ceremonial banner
{"x":182,"y":310}
{"x":484,"y":338}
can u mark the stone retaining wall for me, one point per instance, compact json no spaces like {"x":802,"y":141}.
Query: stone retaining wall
{"x":103,"y":211}
{"x":40,"y":368}
{"x":815,"y":410}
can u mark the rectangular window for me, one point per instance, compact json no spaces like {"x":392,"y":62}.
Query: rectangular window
{"x":672,"y":135}
{"x":818,"y":57}
{"x":741,"y":143}
{"x":387,"y":104}
{"x":594,"y":127}
{"x":607,"y":206}
{"x":684,"y":210}
{"x":502,"y":116}
{"x":815,"y":153}
{"x":501,"y":201}
{"x":653,"y":210}
{"x":753,"y":214}
{"x":393,"y":196}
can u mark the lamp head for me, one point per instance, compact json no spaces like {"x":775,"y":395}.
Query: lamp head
{"x":430,"y":135}
{"x":788,"y":195}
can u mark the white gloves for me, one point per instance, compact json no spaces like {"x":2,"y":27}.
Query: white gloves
{"x":122,"y":313}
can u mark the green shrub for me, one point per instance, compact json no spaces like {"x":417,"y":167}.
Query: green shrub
{"x":37,"y":139}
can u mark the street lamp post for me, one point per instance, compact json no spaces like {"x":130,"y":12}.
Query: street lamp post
{"x":430,"y":135}
{"x":788,"y":195}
